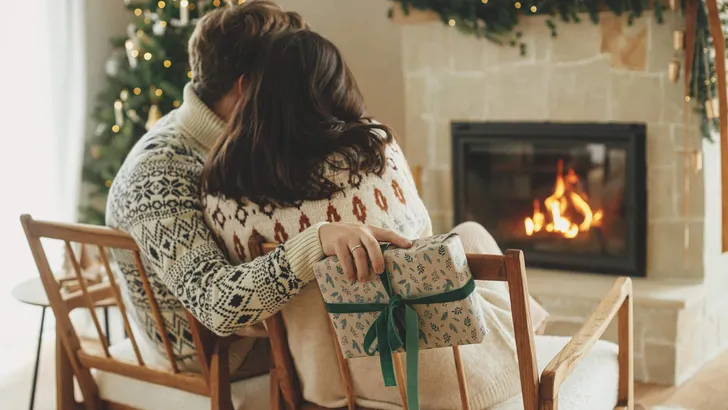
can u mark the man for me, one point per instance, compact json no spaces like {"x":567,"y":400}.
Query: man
{"x":156,"y":199}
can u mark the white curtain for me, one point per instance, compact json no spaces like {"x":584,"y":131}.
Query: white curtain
{"x":43,"y":115}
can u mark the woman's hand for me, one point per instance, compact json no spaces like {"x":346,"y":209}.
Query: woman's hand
{"x":358,"y":245}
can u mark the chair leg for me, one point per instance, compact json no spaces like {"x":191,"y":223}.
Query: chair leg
{"x":462,"y":383}
{"x":276,"y":397}
{"x":37,"y":359}
{"x":220,"y":377}
{"x":65,"y":399}
{"x":106,"y":326}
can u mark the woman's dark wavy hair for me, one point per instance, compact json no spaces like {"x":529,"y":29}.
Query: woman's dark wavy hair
{"x":300,"y":117}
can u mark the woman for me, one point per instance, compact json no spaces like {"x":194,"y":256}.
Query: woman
{"x":299,"y":151}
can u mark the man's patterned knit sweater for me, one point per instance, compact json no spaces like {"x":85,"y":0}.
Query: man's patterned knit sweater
{"x":156,"y":199}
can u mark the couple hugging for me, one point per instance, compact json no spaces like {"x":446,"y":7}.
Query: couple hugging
{"x":273,"y":138}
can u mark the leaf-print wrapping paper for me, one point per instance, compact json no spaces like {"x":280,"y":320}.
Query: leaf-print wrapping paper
{"x":431,"y":266}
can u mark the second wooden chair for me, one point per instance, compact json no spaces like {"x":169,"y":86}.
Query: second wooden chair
{"x":562,"y":354}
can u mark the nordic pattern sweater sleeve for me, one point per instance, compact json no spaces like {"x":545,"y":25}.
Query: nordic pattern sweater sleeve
{"x":157,"y":201}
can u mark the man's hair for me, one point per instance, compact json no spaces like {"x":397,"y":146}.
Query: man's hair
{"x":300,"y":123}
{"x":227,"y":42}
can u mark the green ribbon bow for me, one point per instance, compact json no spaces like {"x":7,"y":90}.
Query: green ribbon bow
{"x":397,"y":327}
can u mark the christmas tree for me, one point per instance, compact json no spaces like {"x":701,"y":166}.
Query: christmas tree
{"x":146,"y":74}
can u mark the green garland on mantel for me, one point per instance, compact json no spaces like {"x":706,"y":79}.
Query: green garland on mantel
{"x":498,"y":21}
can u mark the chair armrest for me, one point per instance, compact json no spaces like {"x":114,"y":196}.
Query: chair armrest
{"x":618,"y":300}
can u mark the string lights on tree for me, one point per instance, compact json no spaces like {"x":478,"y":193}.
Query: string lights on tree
{"x":146,"y":73}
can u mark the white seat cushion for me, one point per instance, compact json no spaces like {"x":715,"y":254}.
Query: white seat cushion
{"x":592,"y":385}
{"x":250,"y":394}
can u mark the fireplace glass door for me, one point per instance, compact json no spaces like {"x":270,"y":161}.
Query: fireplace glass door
{"x":571,"y":196}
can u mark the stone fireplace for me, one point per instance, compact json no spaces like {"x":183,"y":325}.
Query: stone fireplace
{"x":606,"y":76}
{"x":570,"y":195}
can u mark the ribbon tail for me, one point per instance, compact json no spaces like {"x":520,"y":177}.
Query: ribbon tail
{"x":385,"y":352}
{"x":412,"y":349}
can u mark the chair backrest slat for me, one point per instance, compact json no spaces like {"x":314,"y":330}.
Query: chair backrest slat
{"x":98,"y":235}
{"x":508,"y":268}
{"x":120,"y":304}
{"x":522,"y":328}
{"x":156,"y":314}
{"x":89,"y":303}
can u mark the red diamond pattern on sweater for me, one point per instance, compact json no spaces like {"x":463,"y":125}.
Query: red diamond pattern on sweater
{"x":281,"y":235}
{"x":332,"y":215}
{"x":380,"y":199}
{"x":398,"y":193}
{"x":303,"y":222}
{"x":359,"y":210}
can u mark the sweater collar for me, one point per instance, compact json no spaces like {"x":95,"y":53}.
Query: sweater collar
{"x":198,"y":121}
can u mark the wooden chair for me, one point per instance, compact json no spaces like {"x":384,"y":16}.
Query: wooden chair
{"x":540,"y":394}
{"x":75,"y":360}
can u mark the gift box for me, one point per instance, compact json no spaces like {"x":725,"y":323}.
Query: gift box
{"x":425,"y":299}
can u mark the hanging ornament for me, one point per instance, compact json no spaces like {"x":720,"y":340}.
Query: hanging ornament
{"x":130,"y":53}
{"x":674,"y":5}
{"x":678,"y":40}
{"x":716,"y":107}
{"x":673,"y":71}
{"x":112,"y":67}
{"x":131,"y":32}
{"x":119,"y":113}
{"x":124,"y":95}
{"x":184,"y":12}
{"x":132,"y":114}
{"x":159,"y":27}
{"x":711,"y":108}
{"x":153,"y":117}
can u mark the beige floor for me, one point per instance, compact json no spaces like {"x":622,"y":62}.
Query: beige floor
{"x":707,"y":390}
{"x":15,"y":382}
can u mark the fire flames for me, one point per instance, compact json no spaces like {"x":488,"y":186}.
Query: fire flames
{"x":567,"y":201}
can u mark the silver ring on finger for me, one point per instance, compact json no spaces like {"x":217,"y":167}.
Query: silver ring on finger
{"x":355,"y":248}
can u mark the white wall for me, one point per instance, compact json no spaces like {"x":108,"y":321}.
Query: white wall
{"x":371,"y":44}
{"x":103,"y":19}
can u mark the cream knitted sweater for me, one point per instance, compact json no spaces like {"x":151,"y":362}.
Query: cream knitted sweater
{"x":390,"y":201}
